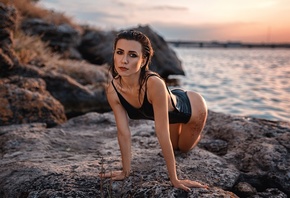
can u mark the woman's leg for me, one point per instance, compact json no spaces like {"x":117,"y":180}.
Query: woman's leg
{"x":190,"y":133}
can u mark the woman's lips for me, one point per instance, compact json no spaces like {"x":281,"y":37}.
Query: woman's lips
{"x":123,"y":68}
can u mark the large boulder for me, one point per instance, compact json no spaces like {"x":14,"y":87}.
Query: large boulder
{"x":76,"y":98}
{"x":97,"y":47}
{"x":25,"y":100}
{"x":258,"y":148}
{"x":62,"y":38}
{"x":65,"y":161}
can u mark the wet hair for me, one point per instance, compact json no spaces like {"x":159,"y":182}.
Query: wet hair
{"x":147,"y":52}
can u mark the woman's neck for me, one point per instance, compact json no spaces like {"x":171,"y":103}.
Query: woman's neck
{"x":130,"y":82}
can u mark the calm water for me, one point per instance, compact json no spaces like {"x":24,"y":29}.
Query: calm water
{"x":246,"y":82}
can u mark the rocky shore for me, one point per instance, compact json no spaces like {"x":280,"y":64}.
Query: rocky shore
{"x":57,"y":132}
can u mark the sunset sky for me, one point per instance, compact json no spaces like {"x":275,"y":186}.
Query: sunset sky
{"x":198,"y":20}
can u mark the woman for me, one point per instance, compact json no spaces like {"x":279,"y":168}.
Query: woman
{"x":139,"y":93}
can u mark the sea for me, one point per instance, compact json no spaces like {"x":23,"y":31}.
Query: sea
{"x":252,"y":82}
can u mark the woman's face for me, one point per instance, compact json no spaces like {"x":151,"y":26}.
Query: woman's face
{"x":128,"y":57}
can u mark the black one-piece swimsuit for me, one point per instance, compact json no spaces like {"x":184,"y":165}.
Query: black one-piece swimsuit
{"x":180,"y":114}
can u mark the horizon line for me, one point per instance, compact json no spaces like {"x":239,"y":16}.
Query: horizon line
{"x":228,"y":44}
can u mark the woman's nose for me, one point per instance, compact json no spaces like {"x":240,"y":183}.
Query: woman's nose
{"x":124,"y":60}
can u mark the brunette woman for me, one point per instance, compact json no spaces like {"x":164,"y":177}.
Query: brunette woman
{"x":138,"y":93}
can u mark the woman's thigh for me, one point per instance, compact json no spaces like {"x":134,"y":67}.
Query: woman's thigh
{"x":198,"y":108}
{"x":191,"y":131}
{"x":175,"y":130}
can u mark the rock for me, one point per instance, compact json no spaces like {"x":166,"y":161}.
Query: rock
{"x":76,"y":98}
{"x":62,"y":38}
{"x":39,"y":105}
{"x":5,"y":63}
{"x":65,"y":161}
{"x":256,"y":147}
{"x":271,"y":193}
{"x":8,"y":20}
{"x":22,"y":100}
{"x":216,"y":146}
{"x":96,"y":47}
{"x":244,"y":189}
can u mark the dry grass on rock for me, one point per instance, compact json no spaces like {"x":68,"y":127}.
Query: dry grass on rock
{"x":32,"y":50}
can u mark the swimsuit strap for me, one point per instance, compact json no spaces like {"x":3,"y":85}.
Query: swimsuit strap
{"x":121,"y":98}
{"x":114,"y":87}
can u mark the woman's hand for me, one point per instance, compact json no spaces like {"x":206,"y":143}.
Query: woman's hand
{"x":115,"y":175}
{"x":187,"y":184}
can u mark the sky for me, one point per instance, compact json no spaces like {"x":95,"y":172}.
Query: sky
{"x":257,"y":21}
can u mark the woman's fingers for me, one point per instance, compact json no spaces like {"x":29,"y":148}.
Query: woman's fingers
{"x":105,"y":175}
{"x":194,"y":184}
{"x":183,"y":187}
{"x":187,"y":184}
{"x":110,"y":174}
{"x":115,"y":175}
{"x":118,"y":177}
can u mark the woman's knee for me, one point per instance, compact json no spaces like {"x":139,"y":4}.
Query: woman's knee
{"x":189,"y":143}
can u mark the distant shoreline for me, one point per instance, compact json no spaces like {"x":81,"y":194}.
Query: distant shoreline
{"x":215,"y":44}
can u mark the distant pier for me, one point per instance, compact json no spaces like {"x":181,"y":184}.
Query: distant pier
{"x":216,"y":44}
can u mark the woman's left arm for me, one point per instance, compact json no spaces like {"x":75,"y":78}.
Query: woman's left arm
{"x":158,"y":97}
{"x":157,"y":93}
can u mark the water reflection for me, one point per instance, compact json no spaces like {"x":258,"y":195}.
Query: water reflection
{"x":251,"y":82}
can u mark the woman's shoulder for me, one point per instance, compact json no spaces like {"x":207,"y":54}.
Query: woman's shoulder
{"x":153,"y":77}
{"x":154,"y":81}
{"x":109,"y":86}
{"x":156,"y":89}
{"x":113,"y":84}
{"x":150,"y":73}
{"x":111,"y":91}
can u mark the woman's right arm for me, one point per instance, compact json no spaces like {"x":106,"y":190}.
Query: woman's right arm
{"x":124,"y":135}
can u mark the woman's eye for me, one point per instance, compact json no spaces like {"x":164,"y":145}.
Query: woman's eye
{"x":119,"y":52}
{"x":133,"y":55}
